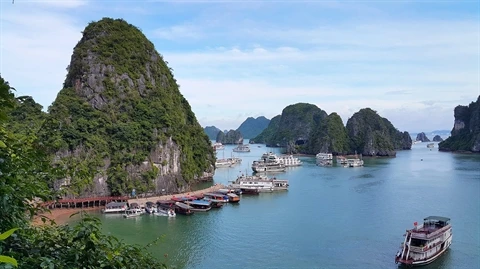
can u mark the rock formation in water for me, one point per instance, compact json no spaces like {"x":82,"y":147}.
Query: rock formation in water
{"x":465,"y":135}
{"x":268,"y":132}
{"x":252,"y":127}
{"x":211,"y":132}
{"x":437,"y":138}
{"x":231,"y":137}
{"x":422,"y":137}
{"x":120,"y":121}
{"x":293,"y":126}
{"x":329,"y":135}
{"x":372,"y":135}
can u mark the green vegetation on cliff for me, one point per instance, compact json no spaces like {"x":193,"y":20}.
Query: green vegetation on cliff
{"x":295,"y":123}
{"x":119,"y":104}
{"x":229,"y":138}
{"x":465,"y":135}
{"x":268,"y":132}
{"x":372,"y":135}
{"x":252,"y":127}
{"x":25,"y":173}
{"x":329,"y":135}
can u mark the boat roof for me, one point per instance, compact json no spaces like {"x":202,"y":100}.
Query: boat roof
{"x":200,"y":202}
{"x":182,"y":205}
{"x":214,"y":194}
{"x":439,"y":218}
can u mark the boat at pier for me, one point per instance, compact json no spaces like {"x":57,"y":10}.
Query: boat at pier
{"x":423,"y":244}
{"x":115,"y":207}
{"x":199,"y":205}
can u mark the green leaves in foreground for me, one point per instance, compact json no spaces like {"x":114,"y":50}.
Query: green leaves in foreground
{"x":6,"y":259}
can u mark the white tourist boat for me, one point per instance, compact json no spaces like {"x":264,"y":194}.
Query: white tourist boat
{"x":219,"y":163}
{"x":133,"y":212}
{"x":356,"y":162}
{"x":218,"y":146}
{"x":259,"y":184}
{"x":269,"y":162}
{"x":242,"y":148}
{"x":423,"y":244}
{"x":115,"y":207}
{"x":430,"y":145}
{"x":324,"y":158}
{"x":288,"y":160}
{"x":165,"y":212}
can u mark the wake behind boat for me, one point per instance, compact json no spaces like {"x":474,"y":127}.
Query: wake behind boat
{"x":423,"y":244}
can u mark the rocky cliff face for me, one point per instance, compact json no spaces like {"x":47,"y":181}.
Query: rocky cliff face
{"x":422,"y":137}
{"x":232,"y":137}
{"x":465,"y":135}
{"x":372,"y":135}
{"x":120,"y":121}
{"x":252,"y":127}
{"x":437,"y":138}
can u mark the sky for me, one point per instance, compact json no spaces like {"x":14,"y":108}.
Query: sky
{"x":411,"y":61}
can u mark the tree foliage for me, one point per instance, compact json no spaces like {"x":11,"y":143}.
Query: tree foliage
{"x":26,"y":172}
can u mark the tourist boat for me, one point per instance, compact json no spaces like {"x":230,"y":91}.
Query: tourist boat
{"x":199,"y":205}
{"x":289,"y":160}
{"x":218,"y":146}
{"x":423,"y":244}
{"x":132,"y":212}
{"x":234,"y":160}
{"x":430,"y":145}
{"x":417,"y":141}
{"x":219,"y":163}
{"x":183,"y":209}
{"x":259,"y":184}
{"x":342,"y":160}
{"x":242,"y":148}
{"x":165,"y":212}
{"x":219,"y":197}
{"x":165,"y":208}
{"x":115,"y":207}
{"x":324,"y":158}
{"x":354,"y":162}
{"x":233,"y":198}
{"x":150,"y":207}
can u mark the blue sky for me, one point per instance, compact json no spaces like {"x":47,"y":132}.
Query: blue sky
{"x":412,"y":61}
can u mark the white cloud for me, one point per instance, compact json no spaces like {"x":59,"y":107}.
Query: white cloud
{"x":178,"y":32}
{"x":35,"y":51}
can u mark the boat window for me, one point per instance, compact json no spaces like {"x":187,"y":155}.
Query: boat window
{"x":418,"y":242}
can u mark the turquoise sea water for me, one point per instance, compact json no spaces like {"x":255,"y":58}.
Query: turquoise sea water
{"x":331,"y":217}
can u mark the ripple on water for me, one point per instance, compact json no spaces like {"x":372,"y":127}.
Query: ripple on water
{"x":364,"y":187}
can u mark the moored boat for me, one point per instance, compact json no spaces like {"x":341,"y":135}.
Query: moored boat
{"x":423,"y":244}
{"x":132,"y":212}
{"x":324,"y":159}
{"x":183,"y":209}
{"x":218,"y":146}
{"x":199,"y":205}
{"x":115,"y":207}
{"x":242,"y":148}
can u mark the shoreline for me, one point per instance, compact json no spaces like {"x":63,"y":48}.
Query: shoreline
{"x":61,"y":216}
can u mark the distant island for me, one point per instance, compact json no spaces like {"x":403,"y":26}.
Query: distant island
{"x":465,"y":135}
{"x":252,"y":127}
{"x":305,"y":128}
{"x":211,"y":132}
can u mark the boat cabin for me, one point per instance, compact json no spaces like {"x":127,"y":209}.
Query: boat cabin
{"x":115,"y":207}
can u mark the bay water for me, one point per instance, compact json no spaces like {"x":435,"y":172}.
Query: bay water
{"x":331,"y":217}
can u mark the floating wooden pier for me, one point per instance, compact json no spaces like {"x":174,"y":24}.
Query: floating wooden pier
{"x":84,"y":202}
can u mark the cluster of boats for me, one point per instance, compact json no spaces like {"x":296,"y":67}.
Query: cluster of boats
{"x":185,"y":205}
{"x":326,"y":159}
